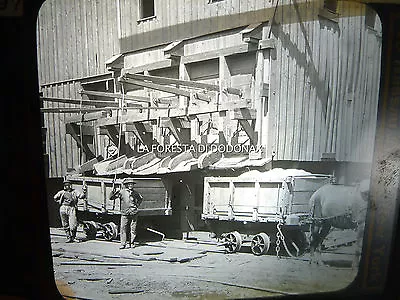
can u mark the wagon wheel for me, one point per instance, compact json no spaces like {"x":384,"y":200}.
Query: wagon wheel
{"x":296,"y":243}
{"x":90,"y":229}
{"x":110,"y":231}
{"x":233,"y":242}
{"x":260,"y":243}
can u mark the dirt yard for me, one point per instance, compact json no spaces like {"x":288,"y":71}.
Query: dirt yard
{"x":191,"y":269}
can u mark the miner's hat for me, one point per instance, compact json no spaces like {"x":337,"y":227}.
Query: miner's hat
{"x":128,"y":180}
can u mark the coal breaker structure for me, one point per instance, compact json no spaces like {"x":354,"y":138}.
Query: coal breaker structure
{"x":186,"y":96}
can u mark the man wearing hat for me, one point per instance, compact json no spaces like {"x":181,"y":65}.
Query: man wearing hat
{"x":68,"y":200}
{"x":130,"y":202}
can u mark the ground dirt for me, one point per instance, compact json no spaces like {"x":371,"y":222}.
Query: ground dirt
{"x":197,"y":268}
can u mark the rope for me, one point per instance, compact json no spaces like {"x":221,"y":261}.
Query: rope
{"x":272,"y":19}
{"x":81,"y":133}
{"x":121,"y":102}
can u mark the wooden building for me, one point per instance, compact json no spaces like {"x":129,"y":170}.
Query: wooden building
{"x":297,"y":80}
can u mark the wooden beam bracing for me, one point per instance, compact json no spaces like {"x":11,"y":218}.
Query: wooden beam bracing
{"x":243,"y":48}
{"x":92,"y":116}
{"x":112,"y":133}
{"x":140,"y":131}
{"x":94,"y":109}
{"x":250,"y":130}
{"x":152,"y":66}
{"x":143,"y":115}
{"x":175,"y":49}
{"x":252,"y":33}
{"x":187,"y":83}
{"x":243,"y":114}
{"x":178,"y":128}
{"x":85,"y":129}
{"x":163,"y":88}
{"x":80,"y":101}
{"x":116,"y":96}
{"x":74,"y":131}
{"x":90,"y":102}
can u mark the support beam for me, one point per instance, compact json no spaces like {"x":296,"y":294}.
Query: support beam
{"x":167,"y":63}
{"x":86,"y":130}
{"x":183,"y":76}
{"x":252,"y":33}
{"x":174,"y":50}
{"x":243,"y":48}
{"x":243,"y":114}
{"x":181,"y":123}
{"x":181,"y":134}
{"x":95,"y":109}
{"x":116,"y":96}
{"x":140,"y":132}
{"x":163,"y":88}
{"x":249,"y":129}
{"x":112,"y":133}
{"x":267,"y":44}
{"x":154,"y":115}
{"x":183,"y":82}
{"x":80,"y":101}
{"x":74,"y":131}
{"x":195,"y":130}
{"x":224,"y":123}
{"x":86,"y":117}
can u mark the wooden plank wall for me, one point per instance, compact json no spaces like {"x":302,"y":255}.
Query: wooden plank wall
{"x":62,"y":149}
{"x":180,"y":19}
{"x":75,"y":38}
{"x":335,"y":92}
{"x":335,"y":66}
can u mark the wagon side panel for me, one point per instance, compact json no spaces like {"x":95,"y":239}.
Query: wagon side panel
{"x":155,"y":195}
{"x":270,"y":198}
{"x":217,"y":195}
{"x":302,"y":189}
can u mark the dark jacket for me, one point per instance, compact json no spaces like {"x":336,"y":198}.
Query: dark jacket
{"x":69,"y":198}
{"x":130,"y":201}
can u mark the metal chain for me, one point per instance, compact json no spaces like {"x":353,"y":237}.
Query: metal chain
{"x":278,"y":240}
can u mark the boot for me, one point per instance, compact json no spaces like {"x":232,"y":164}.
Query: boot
{"x":68,"y":234}
{"x":73,"y":234}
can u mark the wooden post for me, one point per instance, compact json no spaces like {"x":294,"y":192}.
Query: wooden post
{"x":194,"y":130}
{"x":266,"y":92}
{"x":97,"y":139}
{"x":183,"y":75}
{"x":224,"y":81}
{"x":258,"y":87}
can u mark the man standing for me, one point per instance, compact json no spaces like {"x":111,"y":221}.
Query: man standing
{"x":68,"y":199}
{"x":130,"y":202}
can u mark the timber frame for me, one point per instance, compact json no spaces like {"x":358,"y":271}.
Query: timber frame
{"x":242,"y":78}
{"x":175,"y":107}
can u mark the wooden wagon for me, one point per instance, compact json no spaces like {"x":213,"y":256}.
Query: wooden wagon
{"x":261,"y":210}
{"x":100,"y":215}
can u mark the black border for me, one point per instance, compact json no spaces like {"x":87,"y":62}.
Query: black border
{"x":26,"y":253}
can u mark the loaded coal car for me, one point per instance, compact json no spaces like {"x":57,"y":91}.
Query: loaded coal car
{"x":260,"y":209}
{"x":100,"y":216}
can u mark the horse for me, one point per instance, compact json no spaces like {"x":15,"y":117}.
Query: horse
{"x":338,"y":206}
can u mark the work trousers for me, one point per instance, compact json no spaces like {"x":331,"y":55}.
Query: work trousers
{"x":128,"y":226}
{"x":69,"y":221}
